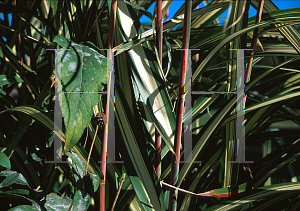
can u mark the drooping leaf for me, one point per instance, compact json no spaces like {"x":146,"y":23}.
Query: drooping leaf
{"x":4,"y":160}
{"x":20,"y":179}
{"x":83,"y":155}
{"x":96,"y":180}
{"x":77,"y":163}
{"x":9,"y":180}
{"x":57,"y":203}
{"x":81,"y":201}
{"x":84,"y":70}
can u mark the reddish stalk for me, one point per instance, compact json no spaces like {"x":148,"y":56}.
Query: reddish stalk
{"x":254,"y":39}
{"x":158,"y":152}
{"x":71,"y":206}
{"x":104,"y":148}
{"x":159,"y":29}
{"x":180,"y":106}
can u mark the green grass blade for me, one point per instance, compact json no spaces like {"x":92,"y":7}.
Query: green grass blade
{"x":147,"y":76}
{"x":125,"y":120}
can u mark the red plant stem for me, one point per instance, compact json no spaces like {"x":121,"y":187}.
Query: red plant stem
{"x":254,"y":39}
{"x":71,"y":206}
{"x":104,"y":148}
{"x":158,"y":152}
{"x":159,"y":29}
{"x":180,"y":106}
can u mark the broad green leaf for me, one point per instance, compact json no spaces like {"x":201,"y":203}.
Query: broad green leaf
{"x":9,"y":180}
{"x":4,"y":160}
{"x":83,"y":155}
{"x":57,"y":203}
{"x":8,"y":80}
{"x":77,"y":164}
{"x":81,"y":201}
{"x":83,"y":72}
{"x":23,"y":208}
{"x":20,"y":178}
{"x":96,"y":180}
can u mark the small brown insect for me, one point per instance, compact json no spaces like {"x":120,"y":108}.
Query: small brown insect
{"x":101,"y":118}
